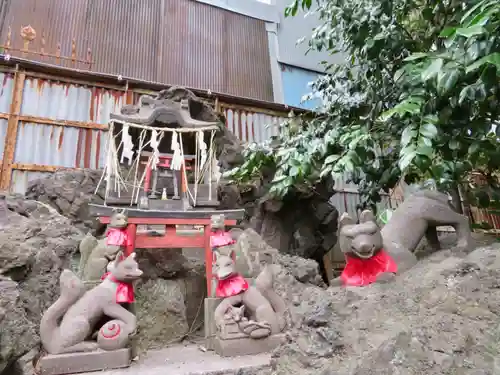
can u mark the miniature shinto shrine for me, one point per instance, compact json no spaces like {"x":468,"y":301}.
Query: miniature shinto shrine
{"x":159,"y":167}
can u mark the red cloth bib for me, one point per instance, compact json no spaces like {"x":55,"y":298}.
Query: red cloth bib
{"x":117,"y":237}
{"x":124,"y":291}
{"x":361,"y":272}
{"x":231,"y":286}
{"x":221,"y":238}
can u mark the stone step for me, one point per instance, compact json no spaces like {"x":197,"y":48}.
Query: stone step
{"x":190,"y":360}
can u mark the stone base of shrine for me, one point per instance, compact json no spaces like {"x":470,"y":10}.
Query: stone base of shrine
{"x":74,"y":363}
{"x":246,"y":346}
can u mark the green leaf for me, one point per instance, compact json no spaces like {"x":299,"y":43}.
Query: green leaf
{"x":447,"y":32}
{"x":493,"y":59}
{"x":453,"y":144}
{"x":416,"y":56}
{"x":408,"y":134}
{"x":326,"y":171}
{"x":473,"y":148}
{"x":332,"y":159}
{"x":278,"y":179}
{"x":294,"y":171}
{"x":406,"y":159}
{"x":424,"y":141}
{"x":292,"y":9}
{"x":306,"y":4}
{"x":410,"y":105}
{"x":471,"y":31}
{"x":432,"y":70}
{"x":470,"y":14}
{"x":425,"y":150}
{"x":468,"y":92}
{"x":447,"y":80}
{"x":428,"y":130}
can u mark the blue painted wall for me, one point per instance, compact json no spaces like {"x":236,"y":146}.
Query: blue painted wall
{"x":296,"y":85}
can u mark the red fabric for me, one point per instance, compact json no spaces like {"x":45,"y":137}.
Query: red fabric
{"x":221,"y":238}
{"x":124,"y":291}
{"x":117,"y":237}
{"x":231,"y":286}
{"x":360,"y":272}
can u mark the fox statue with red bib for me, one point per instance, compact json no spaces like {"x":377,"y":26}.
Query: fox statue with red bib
{"x":373,"y":254}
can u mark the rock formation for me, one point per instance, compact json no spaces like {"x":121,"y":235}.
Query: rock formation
{"x":439,"y":317}
{"x":69,"y":192}
{"x":36,"y":243}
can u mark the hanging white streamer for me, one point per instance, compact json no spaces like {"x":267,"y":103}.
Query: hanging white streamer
{"x":154,"y":145}
{"x":177,"y":158}
{"x":128,"y":146}
{"x":203,"y":148}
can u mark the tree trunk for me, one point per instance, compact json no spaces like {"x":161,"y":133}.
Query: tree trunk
{"x":456,"y":200}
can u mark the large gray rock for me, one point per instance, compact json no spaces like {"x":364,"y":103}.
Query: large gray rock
{"x":36,"y":243}
{"x":169,"y":305}
{"x":69,"y":192}
{"x":440,"y":317}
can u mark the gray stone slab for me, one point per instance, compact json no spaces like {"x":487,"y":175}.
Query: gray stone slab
{"x":190,"y":360}
{"x":246,"y":346}
{"x":73,"y":363}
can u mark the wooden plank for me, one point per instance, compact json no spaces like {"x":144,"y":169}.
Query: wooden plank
{"x":48,"y":121}
{"x":12,"y":127}
{"x":98,"y":210}
{"x":39,"y":167}
{"x":143,"y":241}
{"x":168,"y":221}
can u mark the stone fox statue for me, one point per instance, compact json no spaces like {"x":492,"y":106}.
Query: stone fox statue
{"x":78,"y":311}
{"x":374,"y":255}
{"x":97,"y":254}
{"x":264,"y":305}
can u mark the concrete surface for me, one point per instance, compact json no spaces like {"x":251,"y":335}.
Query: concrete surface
{"x":188,"y":360}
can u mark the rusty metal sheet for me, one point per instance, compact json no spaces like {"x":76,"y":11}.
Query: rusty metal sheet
{"x":64,"y":146}
{"x":21,"y":179}
{"x":5,"y":101}
{"x":214,"y":49}
{"x":250,"y":126}
{"x":60,"y":146}
{"x":64,"y":101}
{"x":180,"y":42}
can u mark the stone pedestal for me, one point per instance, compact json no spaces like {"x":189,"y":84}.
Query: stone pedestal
{"x":210,"y":327}
{"x":73,"y":363}
{"x":238,"y":346}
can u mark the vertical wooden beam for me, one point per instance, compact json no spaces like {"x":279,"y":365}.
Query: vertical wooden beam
{"x":131,"y":232}
{"x":207,"y":230}
{"x":12,"y":127}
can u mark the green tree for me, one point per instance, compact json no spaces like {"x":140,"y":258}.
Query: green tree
{"x":416,"y":98}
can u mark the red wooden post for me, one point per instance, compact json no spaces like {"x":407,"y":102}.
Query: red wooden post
{"x":147,"y":179}
{"x":208,"y":259}
{"x":131,"y":231}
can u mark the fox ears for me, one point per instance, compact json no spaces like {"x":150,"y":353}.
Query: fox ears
{"x":120,"y":257}
{"x":345,"y":219}
{"x":364,"y":217}
{"x":216,"y":254}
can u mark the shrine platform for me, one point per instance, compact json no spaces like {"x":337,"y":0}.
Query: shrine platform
{"x":191,"y":360}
